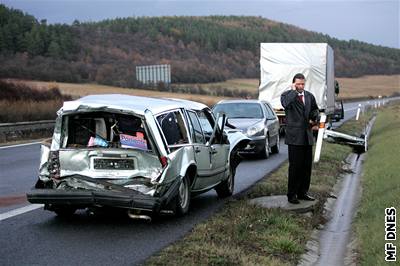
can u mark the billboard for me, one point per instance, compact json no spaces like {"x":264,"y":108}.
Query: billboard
{"x":154,"y":74}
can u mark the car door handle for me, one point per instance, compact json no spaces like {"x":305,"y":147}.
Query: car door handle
{"x":197,"y":150}
{"x":213,"y":151}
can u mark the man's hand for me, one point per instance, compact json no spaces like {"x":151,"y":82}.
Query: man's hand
{"x":313,"y":125}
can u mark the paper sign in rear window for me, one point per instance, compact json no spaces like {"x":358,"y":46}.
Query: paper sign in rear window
{"x":132,"y":142}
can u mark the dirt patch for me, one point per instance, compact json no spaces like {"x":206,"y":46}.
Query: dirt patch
{"x":12,"y":200}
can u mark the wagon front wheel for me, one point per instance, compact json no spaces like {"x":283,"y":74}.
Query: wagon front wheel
{"x":226,"y":187}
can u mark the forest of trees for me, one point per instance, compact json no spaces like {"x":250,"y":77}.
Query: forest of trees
{"x":199,"y":49}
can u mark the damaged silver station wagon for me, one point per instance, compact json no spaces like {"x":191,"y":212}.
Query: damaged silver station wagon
{"x":136,"y":153}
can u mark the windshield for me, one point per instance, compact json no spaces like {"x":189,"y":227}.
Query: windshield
{"x":239,"y":110}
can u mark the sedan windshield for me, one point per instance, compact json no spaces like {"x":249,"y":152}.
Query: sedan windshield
{"x":239,"y":110}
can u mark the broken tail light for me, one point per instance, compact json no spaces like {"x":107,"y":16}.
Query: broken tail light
{"x":54,"y":164}
{"x":164,"y":161}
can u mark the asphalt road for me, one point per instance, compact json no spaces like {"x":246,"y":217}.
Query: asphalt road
{"x":39,"y":237}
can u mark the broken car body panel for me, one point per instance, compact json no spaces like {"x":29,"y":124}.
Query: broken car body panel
{"x":132,"y":152}
{"x":359,"y":144}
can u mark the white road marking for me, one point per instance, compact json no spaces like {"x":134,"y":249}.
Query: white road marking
{"x":19,"y":145}
{"x":19,"y":211}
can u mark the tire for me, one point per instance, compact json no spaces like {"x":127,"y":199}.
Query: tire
{"x":226,"y":187}
{"x":264,"y":154}
{"x":276,"y":148}
{"x":64,"y":211}
{"x":182,"y":201}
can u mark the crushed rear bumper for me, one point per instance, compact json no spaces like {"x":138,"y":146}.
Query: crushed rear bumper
{"x":81,"y":198}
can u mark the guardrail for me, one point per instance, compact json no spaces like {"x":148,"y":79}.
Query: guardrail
{"x":26,"y":130}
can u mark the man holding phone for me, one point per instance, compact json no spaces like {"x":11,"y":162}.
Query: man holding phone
{"x":301,"y":112}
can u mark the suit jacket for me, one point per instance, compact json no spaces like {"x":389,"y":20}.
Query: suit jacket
{"x":298,"y":115}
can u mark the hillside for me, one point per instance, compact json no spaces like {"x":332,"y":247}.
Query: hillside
{"x":199,"y":49}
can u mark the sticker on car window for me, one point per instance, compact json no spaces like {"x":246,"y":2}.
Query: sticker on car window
{"x":132,"y":142}
{"x":97,"y":141}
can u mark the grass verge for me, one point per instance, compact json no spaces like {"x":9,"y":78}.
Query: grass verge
{"x":243,"y":234}
{"x":380,"y":187}
{"x":357,"y":127}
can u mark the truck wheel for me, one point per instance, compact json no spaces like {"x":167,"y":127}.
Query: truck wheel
{"x":226,"y":187}
{"x":182,"y":201}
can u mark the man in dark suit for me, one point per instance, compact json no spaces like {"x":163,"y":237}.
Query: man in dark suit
{"x":301,"y":112}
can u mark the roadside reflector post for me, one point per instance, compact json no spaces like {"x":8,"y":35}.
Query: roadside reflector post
{"x":321,"y":131}
{"x":358,"y":112}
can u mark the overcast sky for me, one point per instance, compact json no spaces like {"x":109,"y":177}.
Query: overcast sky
{"x":372,"y":21}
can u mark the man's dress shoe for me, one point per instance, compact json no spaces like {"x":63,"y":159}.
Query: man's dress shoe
{"x":293,"y":200}
{"x":306,"y":197}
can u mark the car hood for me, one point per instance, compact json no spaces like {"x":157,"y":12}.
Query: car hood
{"x":244,"y":123}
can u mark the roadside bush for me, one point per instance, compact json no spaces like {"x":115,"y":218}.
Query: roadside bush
{"x":10,"y":91}
{"x":25,"y":110}
{"x":19,"y":102}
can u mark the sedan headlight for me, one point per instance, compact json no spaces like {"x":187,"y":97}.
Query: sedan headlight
{"x":257,"y":129}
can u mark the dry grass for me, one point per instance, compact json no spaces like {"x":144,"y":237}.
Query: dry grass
{"x":79,"y":90}
{"x":250,"y":85}
{"x":19,"y":102}
{"x":351,"y":88}
{"x":366,"y":86}
{"x":369,"y":86}
{"x":19,"y":111}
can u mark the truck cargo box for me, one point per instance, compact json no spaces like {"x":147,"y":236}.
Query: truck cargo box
{"x":279,"y":62}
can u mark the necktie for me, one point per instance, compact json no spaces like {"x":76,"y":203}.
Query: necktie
{"x":301,"y":98}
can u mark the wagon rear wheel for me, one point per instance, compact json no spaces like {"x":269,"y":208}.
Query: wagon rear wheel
{"x":182,"y":201}
{"x":64,"y":211}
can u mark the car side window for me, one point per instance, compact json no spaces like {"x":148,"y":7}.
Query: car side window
{"x":198,"y":136}
{"x":270,"y":113}
{"x":205,"y":124}
{"x":173,"y":127}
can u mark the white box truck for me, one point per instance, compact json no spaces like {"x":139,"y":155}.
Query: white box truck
{"x":279,"y":62}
